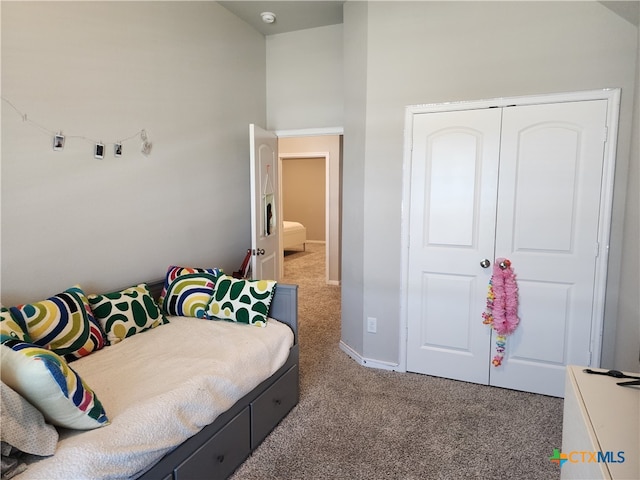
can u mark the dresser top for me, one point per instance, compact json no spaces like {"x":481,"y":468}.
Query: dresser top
{"x":614,"y":413}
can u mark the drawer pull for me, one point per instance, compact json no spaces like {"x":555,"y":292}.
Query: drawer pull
{"x":220,"y":458}
{"x":277,"y":401}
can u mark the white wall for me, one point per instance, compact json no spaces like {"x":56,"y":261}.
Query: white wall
{"x":305,"y":92}
{"x":190,"y":73}
{"x":624,"y":344}
{"x":356,"y":25}
{"x":429,"y":52}
{"x":304,"y":79}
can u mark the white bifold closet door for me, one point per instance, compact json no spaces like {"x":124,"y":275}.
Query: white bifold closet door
{"x":520,"y":182}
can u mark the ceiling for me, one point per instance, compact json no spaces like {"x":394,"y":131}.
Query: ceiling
{"x":290,"y":15}
{"x":627,"y":9}
{"x":302,"y":14}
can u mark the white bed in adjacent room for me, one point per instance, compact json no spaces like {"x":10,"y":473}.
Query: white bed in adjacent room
{"x":295,"y":235}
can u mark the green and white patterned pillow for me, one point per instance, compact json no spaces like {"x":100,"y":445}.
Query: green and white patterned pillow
{"x":125,"y":313}
{"x":242,"y":301}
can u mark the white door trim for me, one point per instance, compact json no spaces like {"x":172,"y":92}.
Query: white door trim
{"x":310,"y":132}
{"x":327,"y":196}
{"x":612,"y":95}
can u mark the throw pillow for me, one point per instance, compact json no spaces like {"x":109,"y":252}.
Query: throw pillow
{"x":187,"y":290}
{"x":243,"y":301}
{"x":23,"y":426}
{"x":63,"y":323}
{"x":47,"y":382}
{"x":125,"y":313}
{"x":9,"y":328}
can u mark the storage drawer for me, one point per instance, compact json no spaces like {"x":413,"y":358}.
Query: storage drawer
{"x":221,"y":454}
{"x":273,"y":405}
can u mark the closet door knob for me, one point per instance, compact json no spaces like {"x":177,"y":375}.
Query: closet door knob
{"x":485,"y":263}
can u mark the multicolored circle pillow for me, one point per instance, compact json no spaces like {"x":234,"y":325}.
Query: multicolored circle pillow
{"x":9,"y":328}
{"x":242,"y":301}
{"x":63,"y":323}
{"x":48,"y":383}
{"x":123,"y":314}
{"x":187,"y":290}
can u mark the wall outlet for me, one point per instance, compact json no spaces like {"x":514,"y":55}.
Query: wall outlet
{"x":372,"y":324}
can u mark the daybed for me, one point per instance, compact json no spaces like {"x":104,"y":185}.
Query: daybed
{"x":213,"y":390}
{"x":295,"y":234}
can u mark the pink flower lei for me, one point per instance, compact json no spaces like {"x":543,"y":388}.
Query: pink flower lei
{"x":502,"y":306}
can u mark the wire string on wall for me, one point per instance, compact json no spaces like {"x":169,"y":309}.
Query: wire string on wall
{"x":59,"y":139}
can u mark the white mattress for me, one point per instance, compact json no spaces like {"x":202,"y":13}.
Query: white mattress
{"x":294,"y":234}
{"x":159,"y":388}
{"x":292,"y":226}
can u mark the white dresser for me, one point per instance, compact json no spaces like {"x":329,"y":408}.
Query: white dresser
{"x":600,"y":416}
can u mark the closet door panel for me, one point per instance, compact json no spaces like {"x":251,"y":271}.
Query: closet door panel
{"x":545,"y":188}
{"x":453,"y":294}
{"x":547,"y":225}
{"x":452,"y":185}
{"x":452,"y":220}
{"x":532,"y":342}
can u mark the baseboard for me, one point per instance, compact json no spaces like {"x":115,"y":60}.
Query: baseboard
{"x":333,"y":282}
{"x":369,"y":362}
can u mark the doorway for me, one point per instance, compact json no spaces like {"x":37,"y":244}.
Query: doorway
{"x":304,"y":195}
{"x":325,"y":149}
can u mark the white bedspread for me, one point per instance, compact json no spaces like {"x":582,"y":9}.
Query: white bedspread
{"x":292,"y":226}
{"x":161,"y":387}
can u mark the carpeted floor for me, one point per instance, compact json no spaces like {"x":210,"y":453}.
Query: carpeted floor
{"x":354,"y":422}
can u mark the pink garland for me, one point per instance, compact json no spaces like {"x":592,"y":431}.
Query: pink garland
{"x":502,"y":305}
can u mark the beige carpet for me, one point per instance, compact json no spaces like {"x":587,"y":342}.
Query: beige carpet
{"x":354,"y":422}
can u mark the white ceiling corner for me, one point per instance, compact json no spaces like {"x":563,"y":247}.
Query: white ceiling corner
{"x":627,"y":9}
{"x":290,"y":15}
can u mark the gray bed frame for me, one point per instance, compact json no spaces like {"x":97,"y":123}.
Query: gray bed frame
{"x":221,"y":447}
